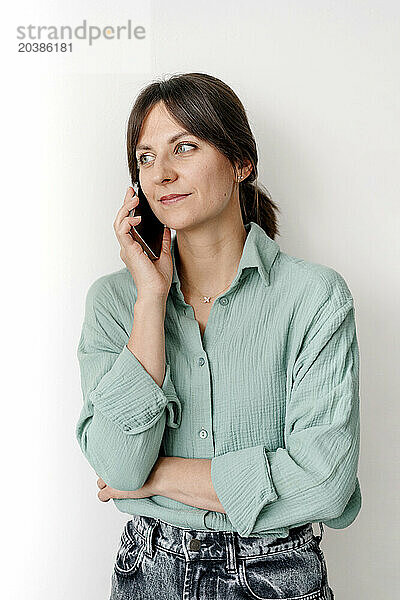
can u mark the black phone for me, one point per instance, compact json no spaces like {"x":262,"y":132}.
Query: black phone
{"x":149,"y":232}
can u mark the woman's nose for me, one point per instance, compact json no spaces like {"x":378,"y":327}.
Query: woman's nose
{"x":162,"y":170}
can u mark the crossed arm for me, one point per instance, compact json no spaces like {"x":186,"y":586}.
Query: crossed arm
{"x":186,"y":480}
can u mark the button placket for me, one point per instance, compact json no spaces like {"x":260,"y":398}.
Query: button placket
{"x":203,"y":433}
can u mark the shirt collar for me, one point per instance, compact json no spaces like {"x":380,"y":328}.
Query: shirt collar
{"x":259,"y":251}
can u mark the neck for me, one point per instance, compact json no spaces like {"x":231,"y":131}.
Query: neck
{"x":207,"y":259}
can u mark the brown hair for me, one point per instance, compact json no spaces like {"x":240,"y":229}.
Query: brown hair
{"x":209,"y":109}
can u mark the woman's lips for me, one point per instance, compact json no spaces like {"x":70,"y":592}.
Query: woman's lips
{"x":172,"y":199}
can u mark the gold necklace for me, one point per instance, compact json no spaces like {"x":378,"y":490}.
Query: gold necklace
{"x":206,"y":298}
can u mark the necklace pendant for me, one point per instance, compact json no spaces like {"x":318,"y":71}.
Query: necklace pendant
{"x":206,"y":298}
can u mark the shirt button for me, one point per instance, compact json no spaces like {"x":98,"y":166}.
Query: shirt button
{"x":201,"y":361}
{"x":203,"y":433}
{"x":224,"y":300}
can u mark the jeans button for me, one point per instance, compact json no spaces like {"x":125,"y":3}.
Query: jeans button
{"x":194,"y":545}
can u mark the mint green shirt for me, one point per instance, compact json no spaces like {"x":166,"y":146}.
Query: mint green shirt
{"x":270,"y":395}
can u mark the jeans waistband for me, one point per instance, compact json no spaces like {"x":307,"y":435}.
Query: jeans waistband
{"x":194,"y":544}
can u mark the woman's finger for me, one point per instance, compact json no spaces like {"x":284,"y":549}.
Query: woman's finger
{"x":123,"y":230}
{"x":130,"y":193}
{"x":100,"y":483}
{"x":127,"y":223}
{"x":103,"y":495}
{"x":130,"y":201}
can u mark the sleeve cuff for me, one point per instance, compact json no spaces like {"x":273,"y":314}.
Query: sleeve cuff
{"x":128,"y":395}
{"x":243,"y":483}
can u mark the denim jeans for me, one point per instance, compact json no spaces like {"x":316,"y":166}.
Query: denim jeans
{"x":157,"y":561}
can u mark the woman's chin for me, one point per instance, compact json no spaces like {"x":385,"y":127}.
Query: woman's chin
{"x":183,"y":221}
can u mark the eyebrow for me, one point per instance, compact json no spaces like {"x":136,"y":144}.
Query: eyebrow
{"x":171,"y":140}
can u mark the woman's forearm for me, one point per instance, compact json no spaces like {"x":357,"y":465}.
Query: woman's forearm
{"x":186,"y":480}
{"x":147,"y":339}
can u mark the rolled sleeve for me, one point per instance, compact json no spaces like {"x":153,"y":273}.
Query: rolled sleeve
{"x":129,"y":396}
{"x":243,"y":483}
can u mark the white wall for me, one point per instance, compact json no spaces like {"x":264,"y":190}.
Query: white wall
{"x":320,"y":82}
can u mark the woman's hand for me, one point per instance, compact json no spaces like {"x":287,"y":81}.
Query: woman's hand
{"x":152,"y":278}
{"x":152,"y":487}
{"x":106,"y":492}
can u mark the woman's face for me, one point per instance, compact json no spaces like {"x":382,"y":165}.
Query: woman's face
{"x":185,"y":165}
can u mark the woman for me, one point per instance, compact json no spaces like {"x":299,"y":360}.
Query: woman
{"x":220,"y":382}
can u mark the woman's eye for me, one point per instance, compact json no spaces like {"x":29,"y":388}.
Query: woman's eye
{"x":186,"y":144}
{"x":140,"y":159}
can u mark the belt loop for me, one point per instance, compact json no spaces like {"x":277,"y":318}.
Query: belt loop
{"x":319,"y":537}
{"x":230,"y":552}
{"x":149,"y":549}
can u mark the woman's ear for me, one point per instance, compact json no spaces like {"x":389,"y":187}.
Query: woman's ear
{"x":245,"y":170}
{"x":248,"y":168}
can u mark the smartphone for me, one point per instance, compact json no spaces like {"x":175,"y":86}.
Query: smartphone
{"x":149,"y":232}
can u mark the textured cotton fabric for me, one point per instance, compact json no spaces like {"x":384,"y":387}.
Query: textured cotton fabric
{"x":270,"y":395}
